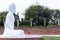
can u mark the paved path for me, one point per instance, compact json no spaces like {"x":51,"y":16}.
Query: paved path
{"x":28,"y":36}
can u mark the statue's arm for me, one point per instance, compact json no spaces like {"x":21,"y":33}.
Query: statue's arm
{"x":7,"y":21}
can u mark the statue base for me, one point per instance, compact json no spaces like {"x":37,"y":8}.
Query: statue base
{"x":27,"y":37}
{"x":11,"y":33}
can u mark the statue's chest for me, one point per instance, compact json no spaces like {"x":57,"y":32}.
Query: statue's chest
{"x":10,"y":18}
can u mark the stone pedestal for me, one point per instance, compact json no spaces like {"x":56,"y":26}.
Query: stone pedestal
{"x":13,"y":33}
{"x":20,"y":38}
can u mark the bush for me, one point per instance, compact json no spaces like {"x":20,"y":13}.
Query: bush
{"x":24,"y":24}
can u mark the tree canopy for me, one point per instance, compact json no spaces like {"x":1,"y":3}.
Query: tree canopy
{"x":38,"y":13}
{"x":2,"y":17}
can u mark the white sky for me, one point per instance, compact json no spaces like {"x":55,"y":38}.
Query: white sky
{"x":21,"y":5}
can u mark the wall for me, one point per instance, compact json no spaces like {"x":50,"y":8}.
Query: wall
{"x":42,"y":30}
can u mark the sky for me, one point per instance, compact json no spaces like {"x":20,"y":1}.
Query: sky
{"x":22,"y":5}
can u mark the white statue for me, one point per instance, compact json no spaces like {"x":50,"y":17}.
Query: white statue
{"x":9,"y":23}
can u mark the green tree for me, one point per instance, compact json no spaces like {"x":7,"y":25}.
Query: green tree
{"x":46,"y":16}
{"x":31,"y":11}
{"x":38,"y":13}
{"x":58,"y":16}
{"x":2,"y":17}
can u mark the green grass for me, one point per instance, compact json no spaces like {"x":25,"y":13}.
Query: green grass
{"x":51,"y":25}
{"x":50,"y":38}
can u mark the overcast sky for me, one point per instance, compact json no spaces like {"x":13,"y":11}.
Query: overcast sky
{"x":21,"y":5}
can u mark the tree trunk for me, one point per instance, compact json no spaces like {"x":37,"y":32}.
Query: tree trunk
{"x":58,"y":22}
{"x":31,"y":22}
{"x":17,"y":22}
{"x":44,"y":22}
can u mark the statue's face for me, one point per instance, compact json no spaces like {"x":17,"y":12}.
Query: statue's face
{"x":12,"y":8}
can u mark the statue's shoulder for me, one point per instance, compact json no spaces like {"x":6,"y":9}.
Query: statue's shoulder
{"x":8,"y":15}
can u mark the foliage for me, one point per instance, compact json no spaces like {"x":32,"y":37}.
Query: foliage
{"x":38,"y":12}
{"x":23,"y":23}
{"x":47,"y":15}
{"x":56,"y":14}
{"x":31,"y":12}
{"x":16,"y":18}
{"x":2,"y":17}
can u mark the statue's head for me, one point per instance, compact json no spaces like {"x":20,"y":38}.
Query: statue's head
{"x":12,"y":8}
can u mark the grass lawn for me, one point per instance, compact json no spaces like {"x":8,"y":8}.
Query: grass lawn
{"x":50,"y":38}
